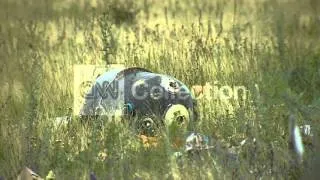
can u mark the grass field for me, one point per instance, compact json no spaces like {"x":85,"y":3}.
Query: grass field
{"x":272,"y":48}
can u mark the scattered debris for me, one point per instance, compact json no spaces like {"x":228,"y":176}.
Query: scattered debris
{"x":149,"y":141}
{"x":197,"y":142}
{"x":295,"y":138}
{"x":61,"y":121}
{"x":243,"y":142}
{"x":306,"y":130}
{"x":51,"y":175}
{"x":28,"y":174}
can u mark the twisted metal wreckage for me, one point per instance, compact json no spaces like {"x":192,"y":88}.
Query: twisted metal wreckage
{"x":143,"y":97}
{"x":151,"y":101}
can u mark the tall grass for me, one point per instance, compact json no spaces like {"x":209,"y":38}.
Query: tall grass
{"x":270,"y":47}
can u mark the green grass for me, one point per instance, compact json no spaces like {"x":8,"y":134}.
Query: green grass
{"x":273,"y":45}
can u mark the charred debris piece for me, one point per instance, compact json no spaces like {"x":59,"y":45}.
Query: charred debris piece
{"x":147,"y":100}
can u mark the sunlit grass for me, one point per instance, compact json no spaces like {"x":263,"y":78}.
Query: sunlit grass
{"x":258,"y":45}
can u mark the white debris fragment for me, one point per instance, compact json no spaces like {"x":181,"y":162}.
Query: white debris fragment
{"x":243,"y":142}
{"x":61,"y":121}
{"x":306,"y":130}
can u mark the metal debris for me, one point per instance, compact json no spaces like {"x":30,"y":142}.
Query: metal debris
{"x":197,"y":142}
{"x":28,"y":174}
